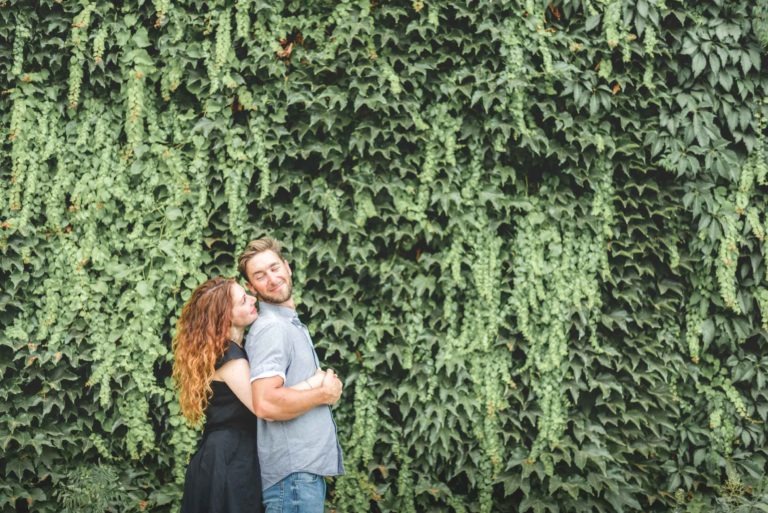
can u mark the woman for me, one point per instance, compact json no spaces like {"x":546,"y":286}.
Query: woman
{"x":212,"y":374}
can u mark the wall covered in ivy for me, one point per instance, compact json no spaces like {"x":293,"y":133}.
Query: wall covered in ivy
{"x":530,"y":236}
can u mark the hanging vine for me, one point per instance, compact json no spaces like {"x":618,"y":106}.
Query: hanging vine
{"x":514,"y":75}
{"x":78,"y":39}
{"x":355,"y":490}
{"x":558,"y":268}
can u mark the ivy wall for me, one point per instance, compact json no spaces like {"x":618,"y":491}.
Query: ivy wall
{"x":530,"y":236}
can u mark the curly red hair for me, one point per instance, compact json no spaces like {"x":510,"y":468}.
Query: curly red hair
{"x":202,"y":334}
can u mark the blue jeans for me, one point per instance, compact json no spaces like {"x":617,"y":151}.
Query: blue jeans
{"x":300,"y":492}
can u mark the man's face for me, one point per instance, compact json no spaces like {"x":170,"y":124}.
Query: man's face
{"x":269,"y":277}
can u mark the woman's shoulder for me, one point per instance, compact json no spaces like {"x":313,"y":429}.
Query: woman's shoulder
{"x":233,"y":352}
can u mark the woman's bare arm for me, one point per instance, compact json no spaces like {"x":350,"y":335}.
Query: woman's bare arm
{"x":236,"y":374}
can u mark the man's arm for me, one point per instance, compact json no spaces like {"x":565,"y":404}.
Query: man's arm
{"x":235,"y":374}
{"x":273,"y":401}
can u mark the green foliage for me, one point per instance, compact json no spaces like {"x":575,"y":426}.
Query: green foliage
{"x":529,"y":235}
{"x":93,"y":489}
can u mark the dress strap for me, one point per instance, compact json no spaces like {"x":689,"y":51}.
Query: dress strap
{"x":233,"y":352}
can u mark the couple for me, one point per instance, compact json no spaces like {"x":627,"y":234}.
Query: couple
{"x":275,"y":376}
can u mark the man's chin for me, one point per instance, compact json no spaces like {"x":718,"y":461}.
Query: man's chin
{"x":276,"y":300}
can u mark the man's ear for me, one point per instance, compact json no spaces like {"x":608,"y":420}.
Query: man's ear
{"x":288,"y":266}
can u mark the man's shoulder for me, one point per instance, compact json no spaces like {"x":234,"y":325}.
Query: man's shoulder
{"x":267,"y":327}
{"x":268,"y":322}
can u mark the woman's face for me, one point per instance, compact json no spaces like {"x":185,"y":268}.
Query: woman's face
{"x":243,"y":307}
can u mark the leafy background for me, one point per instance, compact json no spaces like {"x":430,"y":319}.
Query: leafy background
{"x":529,"y":235}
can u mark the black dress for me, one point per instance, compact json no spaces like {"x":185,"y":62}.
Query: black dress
{"x":223,"y":475}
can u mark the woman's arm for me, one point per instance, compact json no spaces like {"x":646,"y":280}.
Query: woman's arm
{"x":316,"y":381}
{"x":273,"y":401}
{"x":236,"y":374}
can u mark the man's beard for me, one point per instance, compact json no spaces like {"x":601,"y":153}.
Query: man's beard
{"x":279,"y":296}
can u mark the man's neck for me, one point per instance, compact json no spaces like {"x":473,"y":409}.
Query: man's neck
{"x":285,"y":304}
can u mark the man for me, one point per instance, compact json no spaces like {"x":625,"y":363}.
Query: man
{"x":297,"y":440}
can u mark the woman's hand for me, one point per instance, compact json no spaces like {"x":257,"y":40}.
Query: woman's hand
{"x":317,"y":379}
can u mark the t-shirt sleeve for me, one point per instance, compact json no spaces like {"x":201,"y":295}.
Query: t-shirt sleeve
{"x":268,"y":352}
{"x":233,"y":352}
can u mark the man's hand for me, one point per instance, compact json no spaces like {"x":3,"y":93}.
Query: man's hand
{"x":331,"y":388}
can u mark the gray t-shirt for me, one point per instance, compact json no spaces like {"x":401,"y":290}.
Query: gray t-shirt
{"x":278,"y":344}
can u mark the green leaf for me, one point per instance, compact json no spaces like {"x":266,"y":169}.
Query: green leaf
{"x":141,"y":38}
{"x":699,"y":62}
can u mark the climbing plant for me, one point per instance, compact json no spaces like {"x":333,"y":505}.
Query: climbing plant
{"x":531,"y":236}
